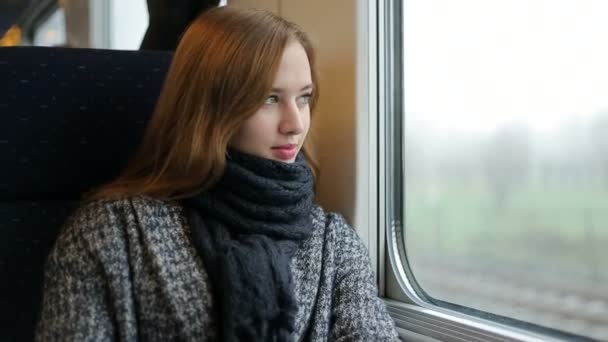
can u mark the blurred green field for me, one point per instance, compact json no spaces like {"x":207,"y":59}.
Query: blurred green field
{"x":556,"y":230}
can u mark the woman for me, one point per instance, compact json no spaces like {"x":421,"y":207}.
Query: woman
{"x":211,"y":232}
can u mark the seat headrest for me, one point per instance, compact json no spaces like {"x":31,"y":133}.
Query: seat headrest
{"x":71,"y":118}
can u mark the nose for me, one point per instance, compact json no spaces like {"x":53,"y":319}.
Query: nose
{"x":291,"y":119}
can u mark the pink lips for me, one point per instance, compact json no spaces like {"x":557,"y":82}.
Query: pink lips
{"x":285,"y":152}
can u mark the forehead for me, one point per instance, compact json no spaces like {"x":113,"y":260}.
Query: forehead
{"x":294,"y":68}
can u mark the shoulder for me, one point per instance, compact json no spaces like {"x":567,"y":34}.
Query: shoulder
{"x":321,"y":217}
{"x":103,"y":210}
{"x":337,"y":230}
{"x":102,"y":223}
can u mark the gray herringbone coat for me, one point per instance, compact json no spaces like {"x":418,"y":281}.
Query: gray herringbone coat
{"x":127,"y":270}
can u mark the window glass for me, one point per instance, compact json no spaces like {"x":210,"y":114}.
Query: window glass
{"x":128,"y":23}
{"x":52,"y":31}
{"x":506,"y":157}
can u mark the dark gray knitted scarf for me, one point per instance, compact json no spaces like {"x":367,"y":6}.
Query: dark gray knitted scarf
{"x":247,"y":228}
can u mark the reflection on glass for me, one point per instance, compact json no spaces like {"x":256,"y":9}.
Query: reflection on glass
{"x":506,"y":157}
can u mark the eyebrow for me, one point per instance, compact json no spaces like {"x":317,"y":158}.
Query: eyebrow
{"x":279,"y":90}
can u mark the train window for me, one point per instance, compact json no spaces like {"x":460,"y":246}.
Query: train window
{"x":51,"y":32}
{"x":128,"y":24}
{"x":109,"y":24}
{"x":505,"y":154}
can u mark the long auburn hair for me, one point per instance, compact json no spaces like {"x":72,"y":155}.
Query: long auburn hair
{"x":220,"y":75}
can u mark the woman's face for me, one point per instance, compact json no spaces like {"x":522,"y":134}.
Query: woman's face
{"x":278,"y":129}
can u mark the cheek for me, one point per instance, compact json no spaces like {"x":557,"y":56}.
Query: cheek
{"x":255,"y":130}
{"x":307,"y":121}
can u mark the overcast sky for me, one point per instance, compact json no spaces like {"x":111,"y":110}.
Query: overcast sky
{"x":473,"y":64}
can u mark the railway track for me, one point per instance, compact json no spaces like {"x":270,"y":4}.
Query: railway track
{"x":572,"y":306}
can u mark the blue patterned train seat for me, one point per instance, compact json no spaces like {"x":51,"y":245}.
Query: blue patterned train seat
{"x":69,"y":120}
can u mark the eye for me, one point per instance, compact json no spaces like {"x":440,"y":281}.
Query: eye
{"x":272,"y":99}
{"x":304,"y":99}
